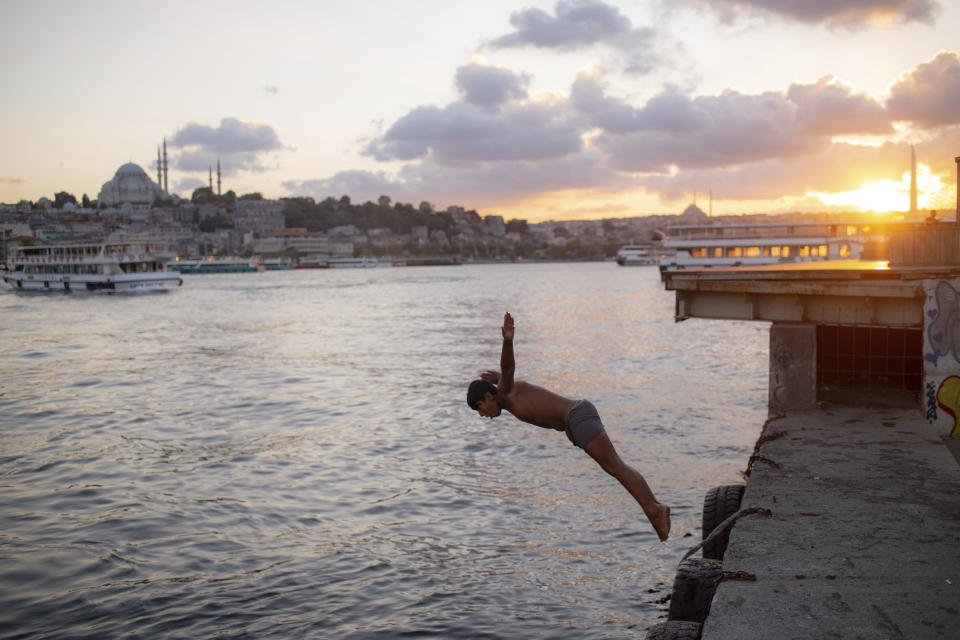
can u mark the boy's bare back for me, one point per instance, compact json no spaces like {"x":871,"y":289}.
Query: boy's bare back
{"x":537,"y":405}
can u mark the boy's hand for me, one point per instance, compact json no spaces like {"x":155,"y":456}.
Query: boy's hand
{"x":507,"y":329}
{"x":493,"y":377}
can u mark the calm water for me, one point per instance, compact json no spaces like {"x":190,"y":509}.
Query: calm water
{"x":290,"y":454}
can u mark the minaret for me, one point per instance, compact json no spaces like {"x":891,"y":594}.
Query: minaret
{"x":165,"y":175}
{"x":913,"y":181}
{"x":210,"y":178}
{"x":159,"y":168}
{"x":218,"y":176}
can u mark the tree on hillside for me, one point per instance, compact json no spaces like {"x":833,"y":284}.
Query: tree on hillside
{"x":61,"y":198}
{"x":251,"y":196}
{"x":203,"y":195}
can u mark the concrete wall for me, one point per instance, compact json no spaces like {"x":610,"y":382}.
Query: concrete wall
{"x":941,"y":355}
{"x":793,"y":367}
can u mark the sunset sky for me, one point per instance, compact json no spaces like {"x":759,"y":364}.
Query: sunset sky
{"x":575,"y":109}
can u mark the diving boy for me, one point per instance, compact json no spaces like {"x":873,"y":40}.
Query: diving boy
{"x":496,"y":391}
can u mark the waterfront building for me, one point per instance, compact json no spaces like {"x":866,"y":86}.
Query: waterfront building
{"x":298,"y":238}
{"x":258,"y":216}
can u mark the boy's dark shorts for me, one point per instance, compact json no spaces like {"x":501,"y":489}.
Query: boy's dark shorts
{"x":583,"y":423}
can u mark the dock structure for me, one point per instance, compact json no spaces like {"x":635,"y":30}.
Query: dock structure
{"x":850,"y":522}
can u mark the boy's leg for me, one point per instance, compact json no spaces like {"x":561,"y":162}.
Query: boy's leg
{"x":601,"y":449}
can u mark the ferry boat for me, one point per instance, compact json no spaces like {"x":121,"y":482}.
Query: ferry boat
{"x":90,"y":267}
{"x":733,"y":245}
{"x":216,"y":265}
{"x":638,"y":255}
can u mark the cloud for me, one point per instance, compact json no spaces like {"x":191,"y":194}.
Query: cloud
{"x":578,"y":24}
{"x":732,"y":128}
{"x":487,"y":184}
{"x":846,"y":13}
{"x":11,"y":180}
{"x":237,"y":145}
{"x":496,"y":145}
{"x":232,"y":136}
{"x":462,"y":134}
{"x":669,"y":111}
{"x":489,"y":87}
{"x":929,"y":95}
{"x":829,"y":107}
{"x":187,"y":185}
{"x":271,"y":89}
{"x":357,"y":184}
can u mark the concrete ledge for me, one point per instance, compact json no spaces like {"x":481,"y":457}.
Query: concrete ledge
{"x":864,"y":540}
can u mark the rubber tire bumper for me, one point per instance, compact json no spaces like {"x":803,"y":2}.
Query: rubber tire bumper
{"x":674,"y":630}
{"x":719,"y":504}
{"x":693,"y":588}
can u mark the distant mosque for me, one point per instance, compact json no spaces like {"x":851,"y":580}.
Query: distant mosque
{"x":131,"y":184}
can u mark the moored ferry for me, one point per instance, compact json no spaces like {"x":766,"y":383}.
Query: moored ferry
{"x":733,"y":245}
{"x":90,"y":267}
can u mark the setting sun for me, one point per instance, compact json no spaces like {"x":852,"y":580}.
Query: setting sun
{"x":886,"y":195}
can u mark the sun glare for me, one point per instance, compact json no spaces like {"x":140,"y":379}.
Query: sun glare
{"x":884,"y":196}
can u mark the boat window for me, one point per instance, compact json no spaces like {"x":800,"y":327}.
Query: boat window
{"x":752,"y":252}
{"x":718,"y":252}
{"x":775,"y":252}
{"x":698,"y":253}
{"x":734,"y":252}
{"x":786,"y":252}
{"x":824,"y":251}
{"x":844,"y":251}
{"x":804,"y":251}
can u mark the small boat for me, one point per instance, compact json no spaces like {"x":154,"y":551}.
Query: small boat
{"x":104,"y":267}
{"x":216,"y":265}
{"x":637,"y":255}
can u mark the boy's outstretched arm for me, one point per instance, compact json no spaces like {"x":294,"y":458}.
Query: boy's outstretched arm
{"x":507,"y":364}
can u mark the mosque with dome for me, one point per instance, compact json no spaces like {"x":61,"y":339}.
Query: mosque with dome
{"x":130,"y":184}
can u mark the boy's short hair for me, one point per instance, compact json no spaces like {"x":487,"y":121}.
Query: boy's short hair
{"x":477,"y":391}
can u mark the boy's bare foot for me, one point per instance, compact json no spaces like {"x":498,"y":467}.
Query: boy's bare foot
{"x":661,"y":522}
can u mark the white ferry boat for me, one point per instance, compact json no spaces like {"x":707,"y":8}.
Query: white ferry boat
{"x":633,"y":255}
{"x":90,"y":267}
{"x":733,"y":245}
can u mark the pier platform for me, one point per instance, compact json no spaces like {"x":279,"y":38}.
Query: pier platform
{"x":863,"y":540}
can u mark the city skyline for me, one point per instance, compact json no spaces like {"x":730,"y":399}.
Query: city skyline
{"x":578,"y":109}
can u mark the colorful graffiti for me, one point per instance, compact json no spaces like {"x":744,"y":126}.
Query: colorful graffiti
{"x":948,"y":399}
{"x":943,"y":331}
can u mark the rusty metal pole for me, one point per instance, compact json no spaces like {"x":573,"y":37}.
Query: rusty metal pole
{"x":957,"y":160}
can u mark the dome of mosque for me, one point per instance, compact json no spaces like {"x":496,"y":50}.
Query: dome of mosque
{"x":131,"y":169}
{"x":130,"y":184}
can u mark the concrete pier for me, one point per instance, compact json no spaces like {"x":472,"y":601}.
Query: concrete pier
{"x":864,"y":536}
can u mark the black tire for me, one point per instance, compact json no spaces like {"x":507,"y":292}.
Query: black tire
{"x":693,"y":589}
{"x":719,"y":504}
{"x":674,"y":630}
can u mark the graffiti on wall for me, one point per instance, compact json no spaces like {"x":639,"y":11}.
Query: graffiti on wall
{"x":948,"y":399}
{"x":943,"y":332}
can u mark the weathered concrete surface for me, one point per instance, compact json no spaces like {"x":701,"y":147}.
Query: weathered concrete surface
{"x":864,"y":540}
{"x":793,"y":367}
